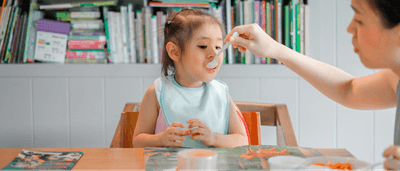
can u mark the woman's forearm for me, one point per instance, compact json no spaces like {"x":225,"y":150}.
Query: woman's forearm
{"x":329,"y":80}
{"x":229,"y":141}
{"x":146,"y":140}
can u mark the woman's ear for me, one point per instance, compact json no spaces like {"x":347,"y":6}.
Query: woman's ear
{"x":173,"y":51}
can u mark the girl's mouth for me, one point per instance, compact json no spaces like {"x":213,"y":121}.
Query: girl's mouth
{"x":211,"y":70}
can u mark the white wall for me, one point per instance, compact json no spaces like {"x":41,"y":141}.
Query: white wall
{"x":50,"y":105}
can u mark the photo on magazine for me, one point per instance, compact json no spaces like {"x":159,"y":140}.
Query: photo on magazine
{"x":44,"y":160}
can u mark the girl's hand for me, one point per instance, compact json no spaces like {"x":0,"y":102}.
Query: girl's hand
{"x":202,"y":132}
{"x":392,"y":163}
{"x":171,"y":134}
{"x":252,"y":37}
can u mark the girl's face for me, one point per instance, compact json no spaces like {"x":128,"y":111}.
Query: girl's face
{"x":199,"y":51}
{"x":376,"y":46}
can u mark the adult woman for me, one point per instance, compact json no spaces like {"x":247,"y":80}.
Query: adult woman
{"x":376,"y":38}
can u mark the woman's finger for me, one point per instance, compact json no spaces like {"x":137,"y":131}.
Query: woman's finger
{"x":392,"y":151}
{"x":240,"y":29}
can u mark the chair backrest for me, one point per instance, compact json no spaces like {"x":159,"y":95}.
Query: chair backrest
{"x":254,"y":115}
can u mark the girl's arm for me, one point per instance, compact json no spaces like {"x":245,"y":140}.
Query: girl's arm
{"x":143,"y":135}
{"x":236,"y":132}
{"x":375,"y":91}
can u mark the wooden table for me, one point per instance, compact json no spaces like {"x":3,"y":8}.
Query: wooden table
{"x":118,"y":158}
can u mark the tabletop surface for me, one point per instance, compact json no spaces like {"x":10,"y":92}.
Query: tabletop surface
{"x":121,"y":158}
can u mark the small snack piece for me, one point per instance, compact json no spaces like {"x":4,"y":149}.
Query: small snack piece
{"x":339,"y":166}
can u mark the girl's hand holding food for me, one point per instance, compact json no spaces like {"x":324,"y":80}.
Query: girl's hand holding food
{"x":171,"y":134}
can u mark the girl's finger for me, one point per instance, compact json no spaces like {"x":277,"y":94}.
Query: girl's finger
{"x":177,"y":124}
{"x":198,"y":137}
{"x":193,"y":120}
{"x":176,"y":131}
{"x":392,"y":164}
{"x":176,"y":144}
{"x":392,"y":151}
{"x":197,"y":131}
{"x":176,"y":137}
{"x":197,"y":124}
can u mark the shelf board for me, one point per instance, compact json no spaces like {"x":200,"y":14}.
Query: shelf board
{"x":134,"y":70}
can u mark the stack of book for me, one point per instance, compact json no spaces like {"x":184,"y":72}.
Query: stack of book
{"x":86,"y":41}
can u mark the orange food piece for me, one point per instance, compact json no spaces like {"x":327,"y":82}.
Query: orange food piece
{"x":340,"y":166}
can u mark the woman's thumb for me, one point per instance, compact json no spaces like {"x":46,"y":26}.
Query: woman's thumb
{"x":240,"y":41}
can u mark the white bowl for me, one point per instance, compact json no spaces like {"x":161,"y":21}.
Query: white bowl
{"x":285,"y":162}
{"x":354,"y":163}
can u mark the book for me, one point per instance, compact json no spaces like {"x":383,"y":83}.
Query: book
{"x":147,"y":35}
{"x":87,"y":24}
{"x":257,"y":20}
{"x":246,"y":157}
{"x":125,"y":34}
{"x":228,"y":29}
{"x":107,"y":33}
{"x":85,"y":61}
{"x":23,"y":39}
{"x":306,"y":30}
{"x":7,"y":54}
{"x":77,"y":4}
{"x":87,"y":32}
{"x":139,"y":36}
{"x":51,"y":41}
{"x":94,"y":38}
{"x":29,"y":51}
{"x":132,"y":39}
{"x":44,"y":160}
{"x":154,"y":40}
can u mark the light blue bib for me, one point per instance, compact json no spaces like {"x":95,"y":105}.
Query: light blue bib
{"x":209,"y":103}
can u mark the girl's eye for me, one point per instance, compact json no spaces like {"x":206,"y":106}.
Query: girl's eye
{"x":217,"y":47}
{"x":203,"y":47}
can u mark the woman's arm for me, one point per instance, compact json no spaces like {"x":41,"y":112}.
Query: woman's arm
{"x":143,"y":135}
{"x":375,"y":91}
{"x":236,"y":132}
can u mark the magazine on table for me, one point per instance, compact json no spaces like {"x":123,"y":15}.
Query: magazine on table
{"x":253,"y":157}
{"x":44,"y":160}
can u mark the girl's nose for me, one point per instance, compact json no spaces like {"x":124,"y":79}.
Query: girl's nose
{"x":212,"y":53}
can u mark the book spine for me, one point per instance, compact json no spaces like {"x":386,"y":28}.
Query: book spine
{"x":139,"y":36}
{"x":85,"y":46}
{"x":132,"y":43}
{"x":263,"y":24}
{"x":107,"y":32}
{"x":5,"y":29}
{"x":302,"y":42}
{"x":287,"y":26}
{"x":160,"y":23}
{"x":85,"y":55}
{"x":306,"y":30}
{"x":86,"y":42}
{"x":154,"y":39}
{"x":147,"y":17}
{"x":229,"y":28}
{"x":7,"y":35}
{"x":298,"y":20}
{"x":95,"y":38}
{"x":241,"y":21}
{"x":268,"y":22}
{"x":294,"y":32}
{"x":256,"y":15}
{"x":85,"y":61}
{"x":11,"y":36}
{"x":125,"y":34}
{"x":119,"y":29}
{"x":94,"y":14}
{"x":279,"y":20}
{"x":23,"y":39}
{"x":247,"y":20}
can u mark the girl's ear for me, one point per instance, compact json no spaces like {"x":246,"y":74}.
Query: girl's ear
{"x":173,"y":51}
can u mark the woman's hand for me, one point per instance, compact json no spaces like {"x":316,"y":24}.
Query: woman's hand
{"x":171,"y":134}
{"x":202,"y":132}
{"x":392,"y":163}
{"x":252,"y":37}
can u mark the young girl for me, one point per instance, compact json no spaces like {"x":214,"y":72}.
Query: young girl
{"x":190,"y":98}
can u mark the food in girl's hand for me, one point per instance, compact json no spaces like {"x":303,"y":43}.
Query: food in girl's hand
{"x":340,"y":166}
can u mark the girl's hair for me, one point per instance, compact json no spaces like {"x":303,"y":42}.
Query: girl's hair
{"x":388,"y":11}
{"x":179,"y":29}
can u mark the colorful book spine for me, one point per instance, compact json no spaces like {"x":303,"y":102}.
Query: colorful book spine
{"x":263,"y":24}
{"x":306,"y":30}
{"x":86,"y":42}
{"x":86,"y":14}
{"x":11,"y":36}
{"x":107,"y":33}
{"x":96,"y":38}
{"x":160,"y":34}
{"x":279,"y":21}
{"x":241,"y":21}
{"x":86,"y":54}
{"x":294,"y":28}
{"x":298,"y":20}
{"x":247,"y":20}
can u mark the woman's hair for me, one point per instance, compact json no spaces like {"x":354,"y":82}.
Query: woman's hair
{"x":179,"y":29}
{"x":388,"y":11}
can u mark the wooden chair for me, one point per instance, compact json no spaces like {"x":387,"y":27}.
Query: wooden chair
{"x":254,"y":115}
